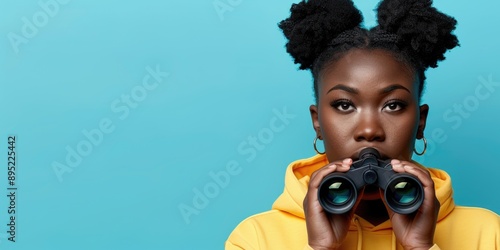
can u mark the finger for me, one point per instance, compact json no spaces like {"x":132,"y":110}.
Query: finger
{"x":430,"y":203}
{"x":311,"y":199}
{"x":339,"y":166}
{"x":408,"y":167}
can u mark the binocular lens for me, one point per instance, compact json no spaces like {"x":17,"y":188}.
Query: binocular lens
{"x":339,"y":193}
{"x":404,"y":194}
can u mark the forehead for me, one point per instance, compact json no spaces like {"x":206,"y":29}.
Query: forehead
{"x":367,"y":69}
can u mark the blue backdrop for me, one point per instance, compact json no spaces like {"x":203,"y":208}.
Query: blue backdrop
{"x":125,"y":114}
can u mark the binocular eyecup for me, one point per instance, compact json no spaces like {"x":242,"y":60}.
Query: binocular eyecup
{"x":338,"y":192}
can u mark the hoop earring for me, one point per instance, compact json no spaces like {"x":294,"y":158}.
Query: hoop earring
{"x":425,"y":148}
{"x":315,"y":148}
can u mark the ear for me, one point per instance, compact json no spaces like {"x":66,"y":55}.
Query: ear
{"x":424,"y":111}
{"x":315,"y":121}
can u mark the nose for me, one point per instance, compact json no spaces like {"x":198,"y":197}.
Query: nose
{"x":369,"y":128}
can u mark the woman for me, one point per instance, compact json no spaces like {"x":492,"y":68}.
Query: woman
{"x":368,"y":86}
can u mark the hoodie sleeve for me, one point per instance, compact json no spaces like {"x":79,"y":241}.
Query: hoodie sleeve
{"x":244,"y":236}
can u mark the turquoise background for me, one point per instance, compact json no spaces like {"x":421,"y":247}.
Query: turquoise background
{"x":228,"y":77}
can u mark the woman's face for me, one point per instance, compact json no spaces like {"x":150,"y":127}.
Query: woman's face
{"x":367,"y":98}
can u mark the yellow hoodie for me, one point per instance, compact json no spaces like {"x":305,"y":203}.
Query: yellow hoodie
{"x":284,"y":226}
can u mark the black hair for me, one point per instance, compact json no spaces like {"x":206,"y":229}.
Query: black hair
{"x":321,"y":31}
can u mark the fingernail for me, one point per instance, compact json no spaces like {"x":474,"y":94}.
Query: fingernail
{"x":347,"y":160}
{"x":408,"y":167}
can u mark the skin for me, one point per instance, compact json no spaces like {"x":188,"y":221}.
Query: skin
{"x":367,"y":98}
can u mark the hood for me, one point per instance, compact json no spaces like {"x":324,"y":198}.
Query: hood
{"x":297,"y":179}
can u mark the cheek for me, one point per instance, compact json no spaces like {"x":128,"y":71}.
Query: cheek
{"x":331,"y":124}
{"x":401,"y":134}
{"x":337,"y":132}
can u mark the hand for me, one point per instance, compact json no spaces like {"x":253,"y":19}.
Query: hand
{"x":324,"y":230}
{"x":416,"y":231}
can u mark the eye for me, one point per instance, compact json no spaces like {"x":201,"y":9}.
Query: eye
{"x":343,"y":105}
{"x":394,"y":105}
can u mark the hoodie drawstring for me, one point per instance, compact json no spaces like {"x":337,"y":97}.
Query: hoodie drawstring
{"x":360,"y":233}
{"x":393,"y":241}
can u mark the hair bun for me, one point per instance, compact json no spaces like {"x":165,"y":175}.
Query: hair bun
{"x":422,"y":28}
{"x":313,"y":24}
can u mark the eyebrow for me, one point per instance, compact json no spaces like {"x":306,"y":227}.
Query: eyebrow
{"x":344,"y":88}
{"x":356,"y":91}
{"x":392,"y":88}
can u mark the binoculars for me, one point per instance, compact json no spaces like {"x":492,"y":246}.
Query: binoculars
{"x":338,"y":192}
